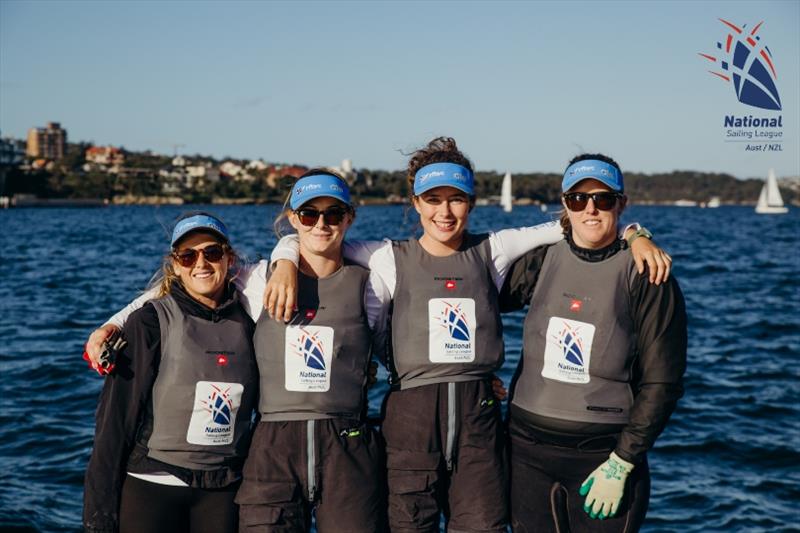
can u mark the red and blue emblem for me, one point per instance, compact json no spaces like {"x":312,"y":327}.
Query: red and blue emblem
{"x":219,"y":405}
{"x":572,"y":345}
{"x":455,"y":320}
{"x":310,"y":347}
{"x":747,"y":63}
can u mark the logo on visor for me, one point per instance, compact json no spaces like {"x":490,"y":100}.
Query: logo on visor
{"x":455,"y":320}
{"x":310,"y":347}
{"x":746,"y":63}
{"x":583,"y":168}
{"x":431,"y":174}
{"x":219,"y":404}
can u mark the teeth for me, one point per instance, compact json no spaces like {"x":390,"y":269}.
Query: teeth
{"x":203,"y":275}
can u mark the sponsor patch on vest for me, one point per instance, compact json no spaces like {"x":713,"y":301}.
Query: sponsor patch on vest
{"x":214,"y":413}
{"x":308,"y":357}
{"x":451,"y":326}
{"x":568,"y":350}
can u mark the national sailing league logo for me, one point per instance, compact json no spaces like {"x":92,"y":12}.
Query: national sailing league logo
{"x":308,"y":358}
{"x":454,"y":319}
{"x":219,"y":405}
{"x":744,"y":61}
{"x":309,"y":347}
{"x":747,"y":63}
{"x":572,"y":345}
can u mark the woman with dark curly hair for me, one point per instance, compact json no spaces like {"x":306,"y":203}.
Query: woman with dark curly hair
{"x":442,"y":424}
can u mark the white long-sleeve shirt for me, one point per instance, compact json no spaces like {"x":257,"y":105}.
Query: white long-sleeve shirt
{"x":506,"y":245}
{"x":251,"y":282}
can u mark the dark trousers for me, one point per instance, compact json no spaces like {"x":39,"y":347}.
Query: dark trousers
{"x":471,"y":493}
{"x":346,"y":479}
{"x":545,"y":479}
{"x":153,"y":508}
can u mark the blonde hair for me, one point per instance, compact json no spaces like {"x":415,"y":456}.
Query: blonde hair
{"x":166,"y":276}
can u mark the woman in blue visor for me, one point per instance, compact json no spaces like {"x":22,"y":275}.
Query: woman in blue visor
{"x":604,"y":352}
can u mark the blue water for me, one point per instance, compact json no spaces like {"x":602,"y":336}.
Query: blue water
{"x":728,"y":461}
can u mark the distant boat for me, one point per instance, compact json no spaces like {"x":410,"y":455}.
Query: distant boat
{"x":770,"y":201}
{"x":684,"y":203}
{"x":713,"y":202}
{"x":505,"y":193}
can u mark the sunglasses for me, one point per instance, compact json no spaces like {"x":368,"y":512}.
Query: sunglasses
{"x":188,"y":257}
{"x":332,"y":216}
{"x":604,"y":201}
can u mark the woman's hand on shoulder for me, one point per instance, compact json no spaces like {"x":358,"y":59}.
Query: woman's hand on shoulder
{"x":280,"y":295}
{"x":94,"y":347}
{"x":658,"y":261}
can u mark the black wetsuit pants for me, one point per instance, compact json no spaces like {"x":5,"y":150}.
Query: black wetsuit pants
{"x":545,"y":479}
{"x":332,"y":467}
{"x":445,"y":454}
{"x":153,"y":508}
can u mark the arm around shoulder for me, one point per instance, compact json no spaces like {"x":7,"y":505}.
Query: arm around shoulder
{"x":122,"y":402}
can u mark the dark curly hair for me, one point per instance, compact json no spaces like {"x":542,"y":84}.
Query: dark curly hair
{"x":439,"y":150}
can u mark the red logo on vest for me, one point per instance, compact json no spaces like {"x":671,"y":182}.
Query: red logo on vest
{"x":450,"y":284}
{"x":575,"y":306}
{"x":222,"y":360}
{"x":311,"y":313}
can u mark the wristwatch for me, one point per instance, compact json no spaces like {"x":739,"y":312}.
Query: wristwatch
{"x":641,"y":232}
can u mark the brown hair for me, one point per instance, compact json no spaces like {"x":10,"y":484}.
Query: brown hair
{"x":563,"y":219}
{"x":439,"y":150}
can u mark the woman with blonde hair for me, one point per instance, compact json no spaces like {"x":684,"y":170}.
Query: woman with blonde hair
{"x":173,"y":423}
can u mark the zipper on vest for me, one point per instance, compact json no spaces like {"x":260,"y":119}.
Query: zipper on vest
{"x":451,"y":425}
{"x":312,"y":485}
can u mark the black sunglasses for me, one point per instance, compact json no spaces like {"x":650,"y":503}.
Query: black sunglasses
{"x":188,"y":257}
{"x":332,"y":216}
{"x":604,"y":201}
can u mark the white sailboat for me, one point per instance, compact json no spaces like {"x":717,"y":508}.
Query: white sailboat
{"x":770,"y":201}
{"x":505,"y":193}
{"x":713,"y":202}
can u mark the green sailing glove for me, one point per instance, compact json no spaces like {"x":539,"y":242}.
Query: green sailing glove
{"x":605,"y":487}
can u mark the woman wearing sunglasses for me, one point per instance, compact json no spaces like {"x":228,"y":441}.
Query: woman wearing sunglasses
{"x":441,"y":423}
{"x":604,"y":352}
{"x":173,"y":423}
{"x":312,"y":451}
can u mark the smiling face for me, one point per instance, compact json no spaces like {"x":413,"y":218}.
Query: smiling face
{"x":321,"y":239}
{"x":443,"y":213}
{"x":204,"y":281}
{"x":591,"y":227}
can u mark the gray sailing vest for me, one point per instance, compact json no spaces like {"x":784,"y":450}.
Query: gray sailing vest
{"x":205,"y":390}
{"x":315,"y":366}
{"x":579,"y":340}
{"x":445,"y":321}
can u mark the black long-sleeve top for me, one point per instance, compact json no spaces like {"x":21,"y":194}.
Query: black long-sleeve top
{"x":659,"y":317}
{"x":124,"y":416}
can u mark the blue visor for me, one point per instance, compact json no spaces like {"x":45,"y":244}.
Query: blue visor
{"x":592,"y":168}
{"x":199,"y":222}
{"x":316,"y":186}
{"x":444,"y":175}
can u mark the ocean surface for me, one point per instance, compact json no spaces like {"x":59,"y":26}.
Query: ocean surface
{"x":728,"y":461}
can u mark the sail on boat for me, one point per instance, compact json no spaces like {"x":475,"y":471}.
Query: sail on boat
{"x":505,"y":193}
{"x":770,"y":201}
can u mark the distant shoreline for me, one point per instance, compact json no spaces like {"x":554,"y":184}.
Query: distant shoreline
{"x":177,"y":201}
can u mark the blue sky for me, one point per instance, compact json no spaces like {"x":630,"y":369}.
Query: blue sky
{"x":521,"y":86}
